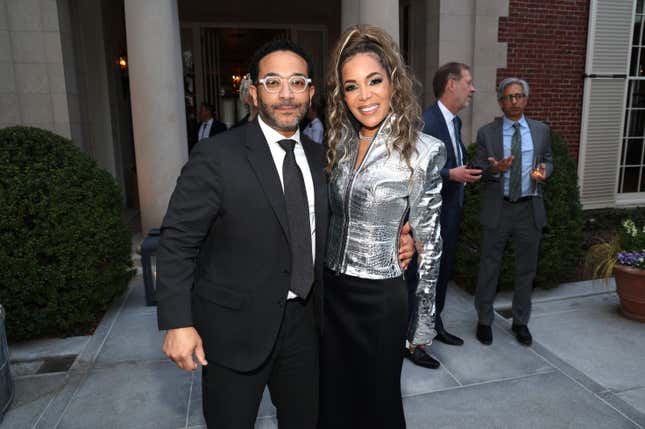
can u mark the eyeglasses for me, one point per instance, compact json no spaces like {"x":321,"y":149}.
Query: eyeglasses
{"x":519,"y":96}
{"x":273,"y":84}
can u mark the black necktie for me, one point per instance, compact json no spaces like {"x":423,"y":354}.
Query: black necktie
{"x":295,"y":195}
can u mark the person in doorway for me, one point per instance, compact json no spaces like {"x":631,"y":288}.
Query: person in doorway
{"x":314,"y":128}
{"x":247,"y":101}
{"x":208,"y":126}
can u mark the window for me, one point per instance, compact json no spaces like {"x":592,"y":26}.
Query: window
{"x":632,"y":157}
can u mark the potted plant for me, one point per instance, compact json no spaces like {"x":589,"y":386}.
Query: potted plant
{"x":625,"y":258}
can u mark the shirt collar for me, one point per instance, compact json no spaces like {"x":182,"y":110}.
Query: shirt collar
{"x":273,"y":136}
{"x":447,"y":114}
{"x":508,"y":123}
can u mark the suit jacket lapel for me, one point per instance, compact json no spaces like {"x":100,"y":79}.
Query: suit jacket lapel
{"x":261,"y":161}
{"x":499,"y":140}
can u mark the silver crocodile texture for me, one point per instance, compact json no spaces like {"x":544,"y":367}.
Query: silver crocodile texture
{"x":368,"y":209}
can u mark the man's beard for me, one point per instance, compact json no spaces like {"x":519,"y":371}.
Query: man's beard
{"x":267,"y":111}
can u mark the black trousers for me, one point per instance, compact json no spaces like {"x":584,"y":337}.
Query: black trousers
{"x":231,"y":399}
{"x":362,"y":353}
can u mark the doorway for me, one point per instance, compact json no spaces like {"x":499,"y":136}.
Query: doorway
{"x":215,"y":59}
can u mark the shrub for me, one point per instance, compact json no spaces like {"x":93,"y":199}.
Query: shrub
{"x":64,"y":250}
{"x":561,"y":245}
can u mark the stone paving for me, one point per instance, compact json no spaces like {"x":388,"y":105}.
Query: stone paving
{"x":586,"y":369}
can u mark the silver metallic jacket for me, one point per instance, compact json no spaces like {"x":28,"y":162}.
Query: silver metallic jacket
{"x":369,"y":207}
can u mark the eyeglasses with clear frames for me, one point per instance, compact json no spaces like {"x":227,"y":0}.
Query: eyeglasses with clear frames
{"x":518,"y":96}
{"x":273,"y":84}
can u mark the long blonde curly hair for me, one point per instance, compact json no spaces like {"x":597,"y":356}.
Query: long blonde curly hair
{"x":407,"y":122}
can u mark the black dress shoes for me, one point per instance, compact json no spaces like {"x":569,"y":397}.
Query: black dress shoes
{"x":447,"y":338}
{"x":522,"y":334}
{"x":421,"y":358}
{"x":484,"y":334}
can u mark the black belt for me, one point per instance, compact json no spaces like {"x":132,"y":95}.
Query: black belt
{"x":519,"y":200}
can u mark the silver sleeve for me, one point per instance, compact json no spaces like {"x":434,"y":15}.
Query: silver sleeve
{"x":425,"y":211}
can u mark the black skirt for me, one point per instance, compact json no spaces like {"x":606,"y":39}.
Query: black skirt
{"x":362,"y":352}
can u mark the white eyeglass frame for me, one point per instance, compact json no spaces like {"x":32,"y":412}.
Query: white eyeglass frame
{"x":282,"y":79}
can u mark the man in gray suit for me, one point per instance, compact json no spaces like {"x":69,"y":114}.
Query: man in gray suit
{"x":515,"y":154}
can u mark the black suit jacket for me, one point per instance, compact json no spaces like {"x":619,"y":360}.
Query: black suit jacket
{"x":216,"y":128}
{"x":435,"y":125}
{"x":224,"y":258}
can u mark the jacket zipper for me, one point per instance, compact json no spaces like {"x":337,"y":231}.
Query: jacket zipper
{"x":348,"y":192}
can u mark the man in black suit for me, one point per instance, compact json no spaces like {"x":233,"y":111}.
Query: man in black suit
{"x":453,"y":88}
{"x":209,"y":126}
{"x":241,"y":253}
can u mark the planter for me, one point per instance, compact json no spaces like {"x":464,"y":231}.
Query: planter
{"x":630,"y":286}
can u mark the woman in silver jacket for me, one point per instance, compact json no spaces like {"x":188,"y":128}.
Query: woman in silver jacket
{"x":383,"y":170}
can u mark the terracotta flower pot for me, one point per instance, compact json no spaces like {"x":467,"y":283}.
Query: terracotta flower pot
{"x":630,"y":286}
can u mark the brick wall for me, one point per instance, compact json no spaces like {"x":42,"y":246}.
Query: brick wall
{"x":547,"y":43}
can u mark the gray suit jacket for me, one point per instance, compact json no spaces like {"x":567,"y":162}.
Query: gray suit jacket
{"x":490,"y":143}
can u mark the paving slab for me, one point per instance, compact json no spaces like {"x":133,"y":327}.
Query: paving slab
{"x":563,"y":291}
{"x":19,"y":369}
{"x":152,"y":395}
{"x":459,"y":307}
{"x":39,"y":349}
{"x":417,"y":380}
{"x":540,"y":401}
{"x":134,"y":337}
{"x":32,"y":395}
{"x":136,"y":302}
{"x":595,"y":338}
{"x":196,"y":415}
{"x":476,"y":363}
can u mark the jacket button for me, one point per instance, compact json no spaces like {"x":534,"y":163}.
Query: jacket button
{"x":281,"y":302}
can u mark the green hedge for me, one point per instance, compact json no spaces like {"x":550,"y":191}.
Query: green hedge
{"x":64,"y":249}
{"x":561,"y":245}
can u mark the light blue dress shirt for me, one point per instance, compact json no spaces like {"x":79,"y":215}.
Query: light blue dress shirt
{"x":528,"y":186}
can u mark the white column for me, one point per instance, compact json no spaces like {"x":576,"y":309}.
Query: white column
{"x":157,"y":97}
{"x":381,"y":13}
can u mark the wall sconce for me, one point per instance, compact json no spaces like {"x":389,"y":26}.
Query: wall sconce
{"x":123,"y":63}
{"x":235,"y":79}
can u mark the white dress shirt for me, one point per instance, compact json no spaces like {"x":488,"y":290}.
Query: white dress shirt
{"x":448,"y":116}
{"x":315,"y":130}
{"x":273,"y":137}
{"x":205,"y":129}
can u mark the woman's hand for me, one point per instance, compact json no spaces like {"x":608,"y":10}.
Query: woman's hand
{"x":406,"y":247}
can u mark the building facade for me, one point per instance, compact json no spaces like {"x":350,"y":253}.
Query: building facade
{"x":123,"y":78}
